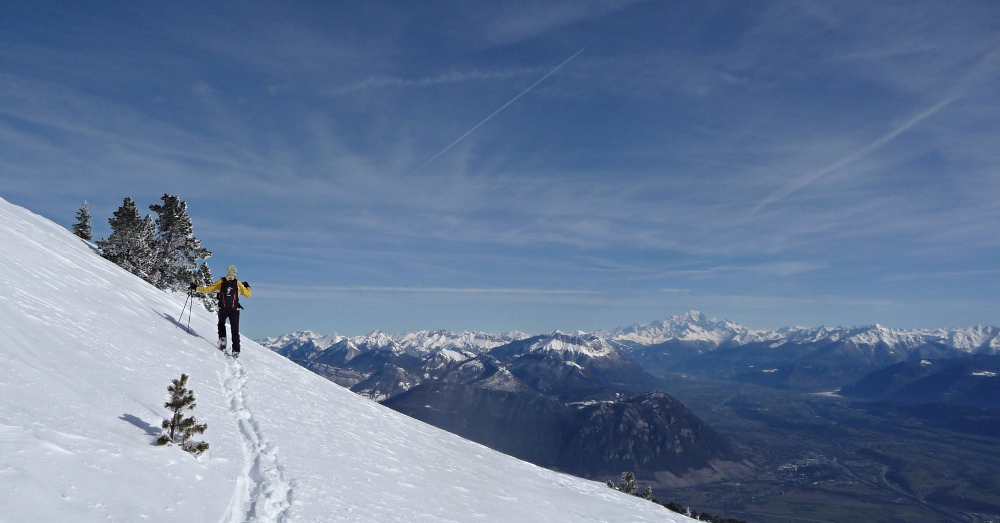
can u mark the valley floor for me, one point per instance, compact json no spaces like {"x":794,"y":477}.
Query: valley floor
{"x":824,"y":458}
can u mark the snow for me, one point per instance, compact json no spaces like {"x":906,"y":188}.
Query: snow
{"x":449,"y":356}
{"x":86,"y":354}
{"x":970,"y":339}
{"x":297,"y":339}
{"x":894,"y":337}
{"x":567,"y":346}
{"x":693,"y":326}
{"x":696,"y":327}
{"x":477,"y":342}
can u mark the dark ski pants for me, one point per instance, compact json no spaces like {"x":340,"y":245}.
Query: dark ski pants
{"x":234,"y":325}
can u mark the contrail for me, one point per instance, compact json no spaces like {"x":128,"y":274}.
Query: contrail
{"x":864,"y":151}
{"x":504,"y":106}
{"x":978,"y":71}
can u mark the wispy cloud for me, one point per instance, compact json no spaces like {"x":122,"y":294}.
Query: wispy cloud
{"x":515,"y":22}
{"x":447,"y":78}
{"x":976,"y":275}
{"x":463,"y":290}
{"x":326,"y":291}
{"x":766,"y":269}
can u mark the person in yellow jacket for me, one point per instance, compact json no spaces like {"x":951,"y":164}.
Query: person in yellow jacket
{"x":230,"y":290}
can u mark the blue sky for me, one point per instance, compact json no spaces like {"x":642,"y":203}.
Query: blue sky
{"x":463,"y":165}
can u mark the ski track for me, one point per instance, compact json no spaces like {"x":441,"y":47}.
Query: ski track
{"x":262,"y":493}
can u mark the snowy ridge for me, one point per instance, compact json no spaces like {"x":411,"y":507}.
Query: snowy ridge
{"x":894,"y":337}
{"x":694,"y":326}
{"x":417,"y":343}
{"x":88,"y":353}
{"x":377,"y":340}
{"x":566,"y":345}
{"x":302,"y":338}
{"x":969,"y":339}
{"x":441,"y":358}
{"x":476,"y":342}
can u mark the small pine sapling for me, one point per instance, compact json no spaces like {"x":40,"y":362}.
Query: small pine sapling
{"x":179,"y":429}
{"x":629,"y":485}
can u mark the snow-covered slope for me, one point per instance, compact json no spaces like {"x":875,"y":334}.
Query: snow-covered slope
{"x":86,"y":354}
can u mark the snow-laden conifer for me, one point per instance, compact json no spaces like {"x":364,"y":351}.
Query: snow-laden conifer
{"x":179,"y":429}
{"x":629,"y":485}
{"x":176,"y":250}
{"x":130,"y":244}
{"x":82,"y":226}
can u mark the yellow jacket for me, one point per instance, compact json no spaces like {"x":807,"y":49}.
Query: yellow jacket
{"x":244,"y":290}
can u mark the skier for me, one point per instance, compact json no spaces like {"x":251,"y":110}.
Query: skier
{"x":229,"y":290}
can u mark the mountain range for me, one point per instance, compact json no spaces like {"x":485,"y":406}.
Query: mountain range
{"x":801,"y":358}
{"x":592,"y":404}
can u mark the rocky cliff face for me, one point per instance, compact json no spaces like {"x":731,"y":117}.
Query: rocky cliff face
{"x":645,"y":433}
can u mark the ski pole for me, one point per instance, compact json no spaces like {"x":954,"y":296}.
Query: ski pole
{"x":193,"y":279}
{"x":181,"y":317}
{"x":190,"y":309}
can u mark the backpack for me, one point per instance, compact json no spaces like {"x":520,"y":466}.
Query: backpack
{"x":229,"y":295}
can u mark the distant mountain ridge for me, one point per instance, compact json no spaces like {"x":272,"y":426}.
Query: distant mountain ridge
{"x":696,"y":327}
{"x":419,"y":342}
{"x":803,"y":358}
{"x":970,"y":382}
{"x":691,"y":327}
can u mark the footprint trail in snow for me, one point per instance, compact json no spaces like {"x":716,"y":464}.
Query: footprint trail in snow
{"x":262,"y":492}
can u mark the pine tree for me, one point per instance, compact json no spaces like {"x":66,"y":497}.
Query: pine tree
{"x":204,"y":277}
{"x":181,"y":428}
{"x":82,"y":226}
{"x":176,"y":250}
{"x":130,"y":244}
{"x":628,"y":484}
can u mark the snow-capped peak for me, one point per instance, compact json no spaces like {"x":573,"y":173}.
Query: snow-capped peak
{"x":477,"y":342}
{"x":875,"y":334}
{"x":565,"y":345}
{"x":693,"y":326}
{"x":301,"y":338}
